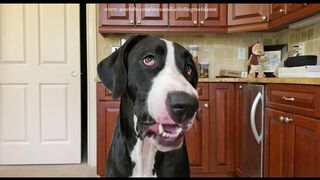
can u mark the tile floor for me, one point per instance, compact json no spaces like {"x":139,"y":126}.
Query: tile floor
{"x":79,"y":170}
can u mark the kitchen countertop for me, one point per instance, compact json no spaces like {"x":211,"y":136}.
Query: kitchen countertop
{"x":314,"y":81}
{"x":310,"y":81}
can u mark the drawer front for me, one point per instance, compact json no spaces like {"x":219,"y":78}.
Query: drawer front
{"x":103,"y":94}
{"x":298,"y":99}
{"x":203,"y":91}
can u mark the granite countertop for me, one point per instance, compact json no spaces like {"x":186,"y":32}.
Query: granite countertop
{"x":311,"y":81}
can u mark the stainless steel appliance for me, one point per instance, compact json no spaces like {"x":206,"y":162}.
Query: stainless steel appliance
{"x":252,"y":130}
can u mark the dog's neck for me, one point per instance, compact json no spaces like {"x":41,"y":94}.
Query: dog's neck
{"x":142,"y":152}
{"x":143,"y":155}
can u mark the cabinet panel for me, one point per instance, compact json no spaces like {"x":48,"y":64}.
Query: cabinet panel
{"x":239,"y":14}
{"x":116,"y":14}
{"x":291,"y":7}
{"x":106,"y":120}
{"x":197,"y":141}
{"x":303,"y":100}
{"x":304,"y":146}
{"x":277,"y":10}
{"x":151,"y":14}
{"x":203,"y":91}
{"x":212,"y":14}
{"x":182,"y":15}
{"x":276,"y":141}
{"x":222,"y":127}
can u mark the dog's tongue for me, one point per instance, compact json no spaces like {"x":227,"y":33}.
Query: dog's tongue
{"x":169,"y":127}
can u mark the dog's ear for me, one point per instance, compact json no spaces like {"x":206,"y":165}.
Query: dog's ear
{"x":112,"y":70}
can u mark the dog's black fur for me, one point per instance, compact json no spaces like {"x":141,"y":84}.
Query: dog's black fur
{"x":132,"y":86}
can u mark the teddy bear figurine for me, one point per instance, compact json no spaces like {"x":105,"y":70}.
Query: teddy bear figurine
{"x":255,"y":60}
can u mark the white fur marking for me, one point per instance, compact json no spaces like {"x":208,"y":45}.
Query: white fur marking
{"x":168,"y":79}
{"x":143,"y":155}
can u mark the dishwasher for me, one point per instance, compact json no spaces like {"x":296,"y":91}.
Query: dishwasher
{"x":252,"y":130}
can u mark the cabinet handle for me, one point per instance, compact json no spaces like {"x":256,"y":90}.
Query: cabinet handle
{"x":281,"y":119}
{"x":305,"y":4}
{"x":194,"y":22}
{"x":206,"y":105}
{"x":131,"y":21}
{"x":240,"y":87}
{"x":264,"y":18}
{"x":287,"y":120}
{"x":138,"y":22}
{"x":201,"y":22}
{"x":287,"y":98}
{"x":281,"y":11}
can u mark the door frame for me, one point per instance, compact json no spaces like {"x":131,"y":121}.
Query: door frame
{"x":91,"y":83}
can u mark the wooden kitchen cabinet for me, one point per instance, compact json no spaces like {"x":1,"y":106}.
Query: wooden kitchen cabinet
{"x":221,"y":145}
{"x":116,"y":14}
{"x":107,"y":112}
{"x":247,"y":17}
{"x":197,"y":138}
{"x":197,"y":141}
{"x":285,"y":13}
{"x":239,"y":109}
{"x":207,"y":15}
{"x":128,"y":14}
{"x":149,"y":15}
{"x":292,"y":131}
{"x":292,"y":147}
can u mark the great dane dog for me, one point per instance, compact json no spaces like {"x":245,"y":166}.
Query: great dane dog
{"x":156,"y":80}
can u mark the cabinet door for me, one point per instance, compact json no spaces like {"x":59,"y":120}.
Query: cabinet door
{"x":303,"y":147}
{"x":116,"y":14}
{"x":291,"y":7}
{"x":183,"y":15}
{"x":277,"y":10}
{"x":212,"y":14}
{"x":239,"y":14}
{"x":106,"y":121}
{"x":151,"y":14}
{"x":276,"y":141}
{"x":221,"y":140}
{"x":197,"y":140}
{"x":238,"y":128}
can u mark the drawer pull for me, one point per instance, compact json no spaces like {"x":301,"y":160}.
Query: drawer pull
{"x":281,"y":118}
{"x":287,"y":120}
{"x":206,"y":105}
{"x":287,"y":98}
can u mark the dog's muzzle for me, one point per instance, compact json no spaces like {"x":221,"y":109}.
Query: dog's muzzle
{"x":181,"y":109}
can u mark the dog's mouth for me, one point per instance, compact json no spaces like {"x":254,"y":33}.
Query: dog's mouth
{"x":165,"y":135}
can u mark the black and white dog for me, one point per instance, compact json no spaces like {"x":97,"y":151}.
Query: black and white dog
{"x":156,"y":80}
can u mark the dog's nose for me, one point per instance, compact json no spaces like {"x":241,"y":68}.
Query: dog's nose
{"x":181,"y":106}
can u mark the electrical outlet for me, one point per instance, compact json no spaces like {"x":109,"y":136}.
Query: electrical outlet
{"x":114,"y":48}
{"x":241,"y":53}
{"x":301,"y":49}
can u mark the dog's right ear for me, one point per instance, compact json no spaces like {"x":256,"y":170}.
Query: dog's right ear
{"x":112,"y":70}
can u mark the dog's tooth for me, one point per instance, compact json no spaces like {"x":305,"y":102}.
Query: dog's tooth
{"x":160,"y":129}
{"x":179,"y":130}
{"x":164,"y":134}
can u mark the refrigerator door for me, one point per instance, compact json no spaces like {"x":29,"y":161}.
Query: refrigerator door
{"x":252,"y":130}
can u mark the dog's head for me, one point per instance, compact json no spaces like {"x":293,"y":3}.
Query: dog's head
{"x":160,"y":78}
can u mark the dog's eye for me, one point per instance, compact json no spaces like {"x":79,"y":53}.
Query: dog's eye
{"x":188,"y":70}
{"x":148,"y":60}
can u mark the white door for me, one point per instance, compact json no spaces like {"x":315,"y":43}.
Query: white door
{"x":39,"y":84}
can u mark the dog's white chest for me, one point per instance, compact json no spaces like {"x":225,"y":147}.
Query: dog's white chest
{"x":143,"y":155}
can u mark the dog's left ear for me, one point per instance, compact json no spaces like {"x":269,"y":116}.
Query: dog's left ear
{"x":112,"y":70}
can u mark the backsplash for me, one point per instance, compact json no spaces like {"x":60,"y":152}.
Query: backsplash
{"x":310,"y":35}
{"x":220,"y":50}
